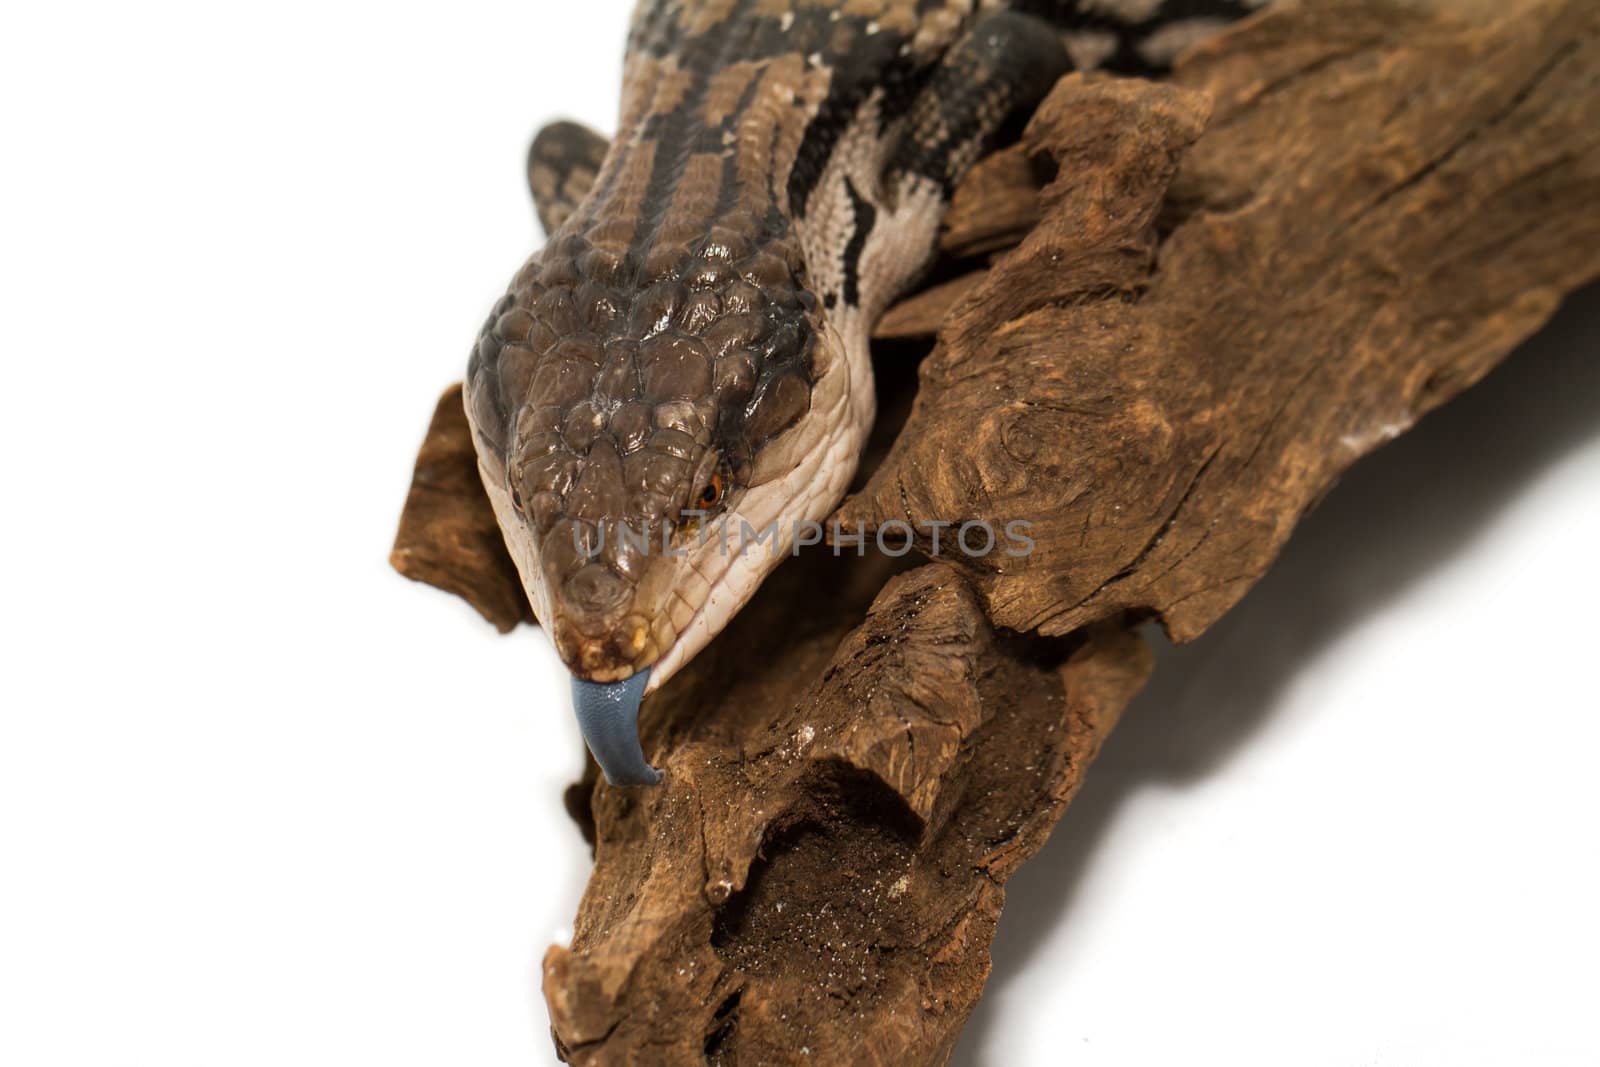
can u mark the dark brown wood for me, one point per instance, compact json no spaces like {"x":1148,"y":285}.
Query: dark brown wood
{"x":448,"y":535}
{"x":807,"y":884}
{"x":996,"y":206}
{"x":1230,"y":288}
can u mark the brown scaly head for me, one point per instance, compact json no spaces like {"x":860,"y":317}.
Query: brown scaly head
{"x":653,"y":419}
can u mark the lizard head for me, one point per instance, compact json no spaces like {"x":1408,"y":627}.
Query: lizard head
{"x":653,"y":432}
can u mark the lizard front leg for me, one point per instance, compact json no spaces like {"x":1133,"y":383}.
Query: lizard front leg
{"x":562,"y":163}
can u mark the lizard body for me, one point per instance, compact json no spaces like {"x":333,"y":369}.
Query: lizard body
{"x":687,"y":357}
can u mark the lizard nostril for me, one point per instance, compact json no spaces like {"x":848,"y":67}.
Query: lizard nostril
{"x":594,"y":592}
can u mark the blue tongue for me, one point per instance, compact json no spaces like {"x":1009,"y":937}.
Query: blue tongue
{"x":608,"y":715}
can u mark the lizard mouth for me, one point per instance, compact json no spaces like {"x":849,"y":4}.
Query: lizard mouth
{"x":608,"y":715}
{"x":630,"y":646}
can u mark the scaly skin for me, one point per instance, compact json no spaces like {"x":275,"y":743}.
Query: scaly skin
{"x":688,"y":354}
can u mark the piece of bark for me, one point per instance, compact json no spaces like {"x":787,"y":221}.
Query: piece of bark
{"x":448,"y":535}
{"x":1335,"y":218}
{"x":922,"y":314}
{"x":996,"y":206}
{"x":1382,"y":207}
{"x":805,"y":885}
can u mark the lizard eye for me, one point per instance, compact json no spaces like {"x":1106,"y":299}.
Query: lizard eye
{"x":711,"y":495}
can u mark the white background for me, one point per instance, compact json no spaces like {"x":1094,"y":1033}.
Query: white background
{"x":264,"y":802}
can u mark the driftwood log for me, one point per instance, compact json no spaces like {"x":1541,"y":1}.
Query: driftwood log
{"x":1167,"y":319}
